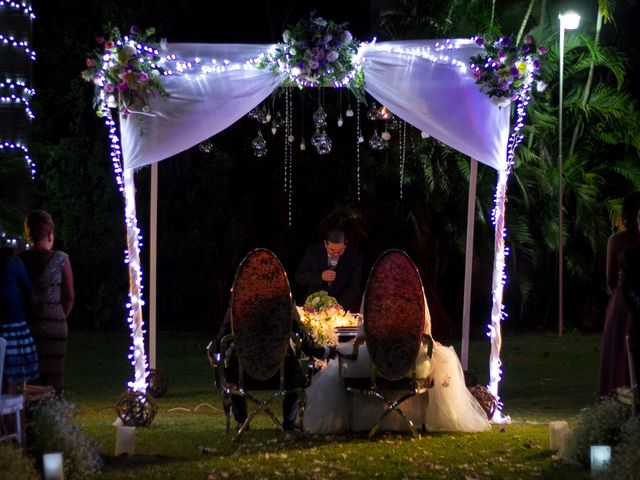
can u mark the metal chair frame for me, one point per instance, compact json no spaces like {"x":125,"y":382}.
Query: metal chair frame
{"x":376,"y":385}
{"x":227,"y":390}
{"x":11,"y":405}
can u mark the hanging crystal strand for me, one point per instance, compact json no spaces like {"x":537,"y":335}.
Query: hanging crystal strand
{"x":358,"y":142}
{"x":290,"y":142}
{"x":287,"y":121}
{"x":403,"y":149}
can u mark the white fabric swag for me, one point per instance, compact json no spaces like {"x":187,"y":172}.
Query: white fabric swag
{"x":436,"y":97}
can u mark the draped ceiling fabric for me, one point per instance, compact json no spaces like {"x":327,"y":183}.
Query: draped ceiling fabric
{"x":433,"y":95}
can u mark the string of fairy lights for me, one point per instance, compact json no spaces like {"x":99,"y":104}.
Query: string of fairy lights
{"x":498,"y":313}
{"x":15,"y":91}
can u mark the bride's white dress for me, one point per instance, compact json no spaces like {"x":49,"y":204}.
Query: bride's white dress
{"x":447,"y":406}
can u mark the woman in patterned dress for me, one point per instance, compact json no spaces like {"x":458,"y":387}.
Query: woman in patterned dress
{"x":52,"y":279}
{"x":21,"y":359}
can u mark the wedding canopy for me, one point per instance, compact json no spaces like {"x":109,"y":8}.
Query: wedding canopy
{"x":427,"y":83}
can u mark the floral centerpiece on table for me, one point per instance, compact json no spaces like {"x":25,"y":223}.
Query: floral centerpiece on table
{"x":504,"y":69}
{"x":317,"y":53}
{"x":321,"y":315}
{"x":125,"y":71}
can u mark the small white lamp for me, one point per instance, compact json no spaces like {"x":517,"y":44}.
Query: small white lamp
{"x":600,"y":459}
{"x":53,"y":466}
{"x":125,"y":440}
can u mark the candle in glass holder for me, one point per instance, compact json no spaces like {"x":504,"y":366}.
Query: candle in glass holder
{"x":558,"y":432}
{"x":600,"y":459}
{"x":125,"y":440}
{"x":53,"y":466}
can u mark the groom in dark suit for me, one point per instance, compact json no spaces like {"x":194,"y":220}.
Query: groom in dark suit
{"x":333,"y":267}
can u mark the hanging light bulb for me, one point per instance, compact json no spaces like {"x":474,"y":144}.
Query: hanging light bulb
{"x":303,"y":146}
{"x":277,"y":120}
{"x":259,"y":145}
{"x":424,"y":134}
{"x":274,"y":130}
{"x":349,"y":112}
{"x":340,"y":121}
{"x":383,"y":113}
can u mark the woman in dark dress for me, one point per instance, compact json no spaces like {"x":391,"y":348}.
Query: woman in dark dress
{"x":21,"y":359}
{"x":614,"y":364}
{"x":52,"y":279}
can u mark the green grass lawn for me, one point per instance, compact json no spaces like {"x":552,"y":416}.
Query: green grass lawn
{"x":545,"y":378}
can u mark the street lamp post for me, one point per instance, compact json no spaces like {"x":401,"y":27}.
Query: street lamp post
{"x":568,"y":21}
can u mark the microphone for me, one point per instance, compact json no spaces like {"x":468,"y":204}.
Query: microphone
{"x":333,"y":263}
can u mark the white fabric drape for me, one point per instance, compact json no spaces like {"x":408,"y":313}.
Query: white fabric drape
{"x":431,"y":94}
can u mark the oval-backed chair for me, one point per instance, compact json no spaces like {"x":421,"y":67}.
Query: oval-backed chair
{"x":396,"y":327}
{"x":261,"y":317}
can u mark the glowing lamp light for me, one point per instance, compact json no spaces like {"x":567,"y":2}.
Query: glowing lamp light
{"x":53,"y":466}
{"x":558,"y":432}
{"x":569,"y":20}
{"x":384,"y":113}
{"x":600,"y":459}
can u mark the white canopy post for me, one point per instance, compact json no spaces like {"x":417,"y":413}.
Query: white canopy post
{"x":153,"y":264}
{"x":468,"y":264}
{"x":137,"y":356}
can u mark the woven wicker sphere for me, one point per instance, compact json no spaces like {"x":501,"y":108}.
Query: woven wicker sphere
{"x":136,"y":409}
{"x":486,"y":400}
{"x":157,"y":383}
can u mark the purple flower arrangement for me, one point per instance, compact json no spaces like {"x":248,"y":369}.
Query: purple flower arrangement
{"x":125,"y":71}
{"x":317,"y":53}
{"x":505,"y":67}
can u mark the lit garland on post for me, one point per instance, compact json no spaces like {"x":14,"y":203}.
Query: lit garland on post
{"x":500,"y":251}
{"x":15,"y":91}
{"x":137,"y":356}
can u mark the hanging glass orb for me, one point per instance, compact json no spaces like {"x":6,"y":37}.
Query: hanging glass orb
{"x":303,"y":146}
{"x":386,"y":136}
{"x":349,"y":112}
{"x":360,"y":139}
{"x":323,"y":144}
{"x":393,"y":123}
{"x":320,"y":118}
{"x":315,"y":138}
{"x":259,"y":145}
{"x":424,"y":134}
{"x":383,"y":113}
{"x":274,"y":130}
{"x":254,"y":113}
{"x":372,"y":113}
{"x":340,"y":121}
{"x":375,"y":142}
{"x":291,"y":138}
{"x":206,"y":146}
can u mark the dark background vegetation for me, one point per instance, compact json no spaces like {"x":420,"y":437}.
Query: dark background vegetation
{"x":214,"y":208}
